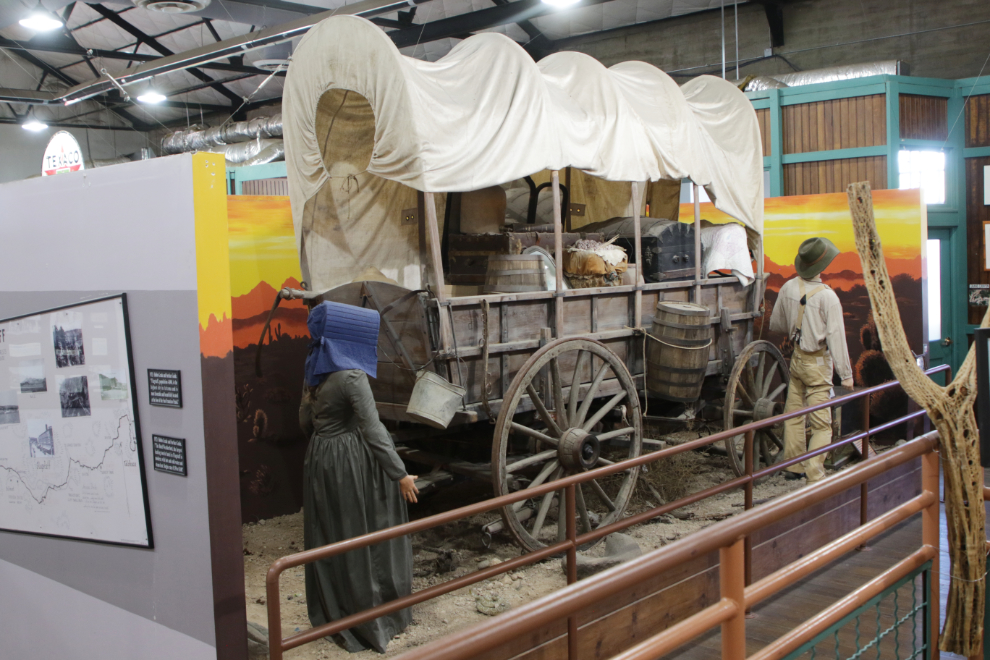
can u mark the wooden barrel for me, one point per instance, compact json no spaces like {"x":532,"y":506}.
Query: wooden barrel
{"x":677,"y":351}
{"x":514,"y":273}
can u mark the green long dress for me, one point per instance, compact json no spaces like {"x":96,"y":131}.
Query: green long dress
{"x":350,"y":488}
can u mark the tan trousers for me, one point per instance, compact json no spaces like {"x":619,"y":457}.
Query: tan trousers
{"x":811,"y":384}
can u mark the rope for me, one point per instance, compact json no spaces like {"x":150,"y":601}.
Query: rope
{"x":686,"y":348}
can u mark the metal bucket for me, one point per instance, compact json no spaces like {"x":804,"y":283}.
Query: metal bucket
{"x":434,"y":401}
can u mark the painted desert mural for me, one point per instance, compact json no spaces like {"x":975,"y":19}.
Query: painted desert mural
{"x":263,"y":260}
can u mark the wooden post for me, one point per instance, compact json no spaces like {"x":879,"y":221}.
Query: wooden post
{"x":732,"y":583}
{"x":697,"y":244}
{"x":443,"y":310}
{"x":638,"y":251}
{"x":558,"y":254}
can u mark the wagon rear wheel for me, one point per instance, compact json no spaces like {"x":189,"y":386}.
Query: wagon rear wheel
{"x":573,"y":388}
{"x":757,"y":390}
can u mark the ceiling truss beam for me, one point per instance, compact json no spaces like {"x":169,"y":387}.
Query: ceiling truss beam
{"x":115,"y":18}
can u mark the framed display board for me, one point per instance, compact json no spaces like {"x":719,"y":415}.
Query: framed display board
{"x":71,"y":463}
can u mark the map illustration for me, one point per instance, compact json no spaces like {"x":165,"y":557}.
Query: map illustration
{"x":70,"y":453}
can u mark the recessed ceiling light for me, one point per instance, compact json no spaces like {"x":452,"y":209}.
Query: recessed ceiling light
{"x":561,"y":3}
{"x":173,"y":6}
{"x":41,"y":22}
{"x":151,"y":97}
{"x":34,"y":126}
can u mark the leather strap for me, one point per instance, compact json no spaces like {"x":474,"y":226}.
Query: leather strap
{"x":805,"y":297}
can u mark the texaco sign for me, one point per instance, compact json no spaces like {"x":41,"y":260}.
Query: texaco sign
{"x":62,"y":155}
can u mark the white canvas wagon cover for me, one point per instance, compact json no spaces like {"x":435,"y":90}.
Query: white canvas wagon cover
{"x":487,"y":114}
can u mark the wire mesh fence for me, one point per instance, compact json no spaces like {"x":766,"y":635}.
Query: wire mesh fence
{"x":891,"y":625}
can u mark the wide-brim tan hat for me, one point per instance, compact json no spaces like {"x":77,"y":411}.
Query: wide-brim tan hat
{"x":814,"y":256}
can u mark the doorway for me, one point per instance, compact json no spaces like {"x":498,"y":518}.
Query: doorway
{"x":938,"y":324}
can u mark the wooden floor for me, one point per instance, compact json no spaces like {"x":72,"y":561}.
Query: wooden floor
{"x":790,"y":608}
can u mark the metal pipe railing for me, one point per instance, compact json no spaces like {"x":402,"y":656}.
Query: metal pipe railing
{"x":277,"y":645}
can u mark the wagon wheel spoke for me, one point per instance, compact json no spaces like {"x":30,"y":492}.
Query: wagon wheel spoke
{"x":533,"y":433}
{"x":744,"y":395}
{"x":618,"y":433}
{"x":772,"y":436}
{"x":540,"y":478}
{"x":759,"y":374}
{"x":604,"y":410}
{"x":604,"y":461}
{"x":742,"y":412}
{"x":541,"y":409}
{"x":600,"y":492}
{"x":582,"y":510}
{"x":558,"y":394}
{"x":531,"y":460}
{"x":780,"y":388}
{"x":769,"y":379}
{"x":590,"y":396}
{"x":572,"y":403}
{"x":541,"y":515}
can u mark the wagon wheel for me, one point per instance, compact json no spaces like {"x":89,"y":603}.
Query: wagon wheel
{"x":757,"y":390}
{"x":563,"y":438}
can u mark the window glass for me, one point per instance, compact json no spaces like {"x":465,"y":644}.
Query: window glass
{"x":925,"y":170}
{"x":934,"y":278}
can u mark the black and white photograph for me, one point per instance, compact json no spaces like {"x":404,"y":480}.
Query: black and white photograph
{"x":9,"y":411}
{"x":41,"y":438}
{"x":30,"y":376}
{"x":73,"y":391}
{"x":67,"y":338}
{"x":113,"y":387}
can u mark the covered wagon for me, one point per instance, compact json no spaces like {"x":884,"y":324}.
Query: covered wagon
{"x":390,"y":158}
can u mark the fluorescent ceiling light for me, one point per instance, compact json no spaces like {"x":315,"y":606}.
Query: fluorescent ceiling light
{"x":561,"y":3}
{"x":41,"y":22}
{"x":34,"y":126}
{"x":151,"y":97}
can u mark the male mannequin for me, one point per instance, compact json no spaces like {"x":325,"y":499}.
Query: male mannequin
{"x":810,"y":313}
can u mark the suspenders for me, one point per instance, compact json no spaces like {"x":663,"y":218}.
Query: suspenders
{"x":805,"y":296}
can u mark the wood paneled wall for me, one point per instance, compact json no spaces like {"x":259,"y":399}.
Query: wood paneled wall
{"x":924,"y":117}
{"x":860,"y":121}
{"x":763,"y":117}
{"x":266,"y":187}
{"x":976,"y":215}
{"x":832,"y":176}
{"x":978,"y":121}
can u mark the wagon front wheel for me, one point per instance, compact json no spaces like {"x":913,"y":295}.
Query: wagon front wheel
{"x":757,"y":390}
{"x":552,"y":424}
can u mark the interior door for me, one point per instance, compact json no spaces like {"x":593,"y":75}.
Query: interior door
{"x":937,"y":290}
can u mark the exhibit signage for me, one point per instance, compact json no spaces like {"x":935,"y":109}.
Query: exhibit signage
{"x":170,"y":454}
{"x":62,"y":155}
{"x":165,"y":388}
{"x":70,"y":443}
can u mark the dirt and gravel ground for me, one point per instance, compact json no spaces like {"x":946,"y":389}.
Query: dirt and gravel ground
{"x":268,"y":540}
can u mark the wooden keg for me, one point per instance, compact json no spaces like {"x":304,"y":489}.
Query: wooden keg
{"x":677,"y":351}
{"x":514,"y":273}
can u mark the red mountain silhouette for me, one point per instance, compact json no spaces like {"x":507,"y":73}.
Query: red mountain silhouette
{"x":259,"y":300}
{"x":845,"y":271}
{"x":215,"y":338}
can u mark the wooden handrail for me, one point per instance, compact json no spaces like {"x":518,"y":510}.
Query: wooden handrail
{"x":277,"y":645}
{"x":465,"y":644}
